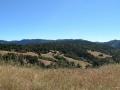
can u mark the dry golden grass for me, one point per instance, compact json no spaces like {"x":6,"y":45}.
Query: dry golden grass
{"x":96,"y":54}
{"x":45,"y":62}
{"x":21,"y":78}
{"x":51,"y":55}
{"x":83,"y":64}
{"x":28,"y":53}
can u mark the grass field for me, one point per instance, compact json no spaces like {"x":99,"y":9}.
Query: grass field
{"x":22,"y":78}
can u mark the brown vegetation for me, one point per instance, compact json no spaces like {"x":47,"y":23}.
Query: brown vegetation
{"x":51,"y":55}
{"x":28,"y":53}
{"x":18,"y":78}
{"x":45,"y":62}
{"x":83,"y":64}
{"x":99,"y":54}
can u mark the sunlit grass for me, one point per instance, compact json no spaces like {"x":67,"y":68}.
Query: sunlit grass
{"x":21,"y":78}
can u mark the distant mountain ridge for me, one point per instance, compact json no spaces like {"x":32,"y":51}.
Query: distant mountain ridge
{"x":26,"y":41}
{"x":36,"y":41}
{"x":112,"y":43}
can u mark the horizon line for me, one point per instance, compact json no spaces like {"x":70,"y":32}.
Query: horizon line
{"x":58,"y":39}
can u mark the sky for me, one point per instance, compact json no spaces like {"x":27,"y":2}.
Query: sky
{"x":93,"y":20}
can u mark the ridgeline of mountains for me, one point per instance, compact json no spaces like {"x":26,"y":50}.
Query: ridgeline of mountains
{"x":112,"y":43}
{"x":60,"y":53}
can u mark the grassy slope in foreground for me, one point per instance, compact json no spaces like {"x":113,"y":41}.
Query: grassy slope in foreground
{"x":17,"y":78}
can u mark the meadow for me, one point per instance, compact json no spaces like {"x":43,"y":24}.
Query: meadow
{"x":23,"y":78}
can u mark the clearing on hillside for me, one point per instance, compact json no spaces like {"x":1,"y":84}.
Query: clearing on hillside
{"x":99,"y":54}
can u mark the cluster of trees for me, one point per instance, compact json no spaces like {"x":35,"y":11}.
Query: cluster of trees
{"x":20,"y":59}
{"x":26,"y":60}
{"x":62,"y":62}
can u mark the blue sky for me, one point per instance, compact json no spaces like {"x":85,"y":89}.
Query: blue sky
{"x":94,"y":20}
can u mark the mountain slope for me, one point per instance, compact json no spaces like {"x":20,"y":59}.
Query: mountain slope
{"x":71,"y":49}
{"x":36,"y":41}
{"x":113,"y":43}
{"x":26,"y":41}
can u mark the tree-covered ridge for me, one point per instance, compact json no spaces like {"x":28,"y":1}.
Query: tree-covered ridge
{"x":76,"y":49}
{"x":113,"y":43}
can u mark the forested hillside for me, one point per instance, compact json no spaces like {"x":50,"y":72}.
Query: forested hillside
{"x":75,"y":49}
{"x":113,"y":43}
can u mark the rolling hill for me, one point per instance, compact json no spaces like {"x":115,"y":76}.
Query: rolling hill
{"x":36,"y":41}
{"x":113,"y":43}
{"x":66,"y":53}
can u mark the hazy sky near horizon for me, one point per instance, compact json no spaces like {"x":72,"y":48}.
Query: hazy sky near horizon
{"x":94,"y":20}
